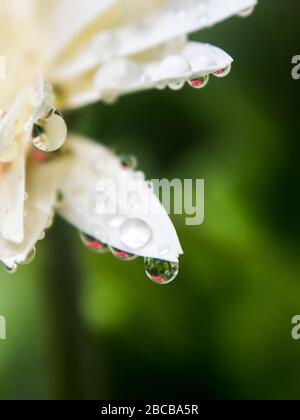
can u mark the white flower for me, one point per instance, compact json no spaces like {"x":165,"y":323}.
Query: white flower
{"x":89,"y":51}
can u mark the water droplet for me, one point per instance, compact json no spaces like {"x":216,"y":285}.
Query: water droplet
{"x":49,"y":133}
{"x":30,"y":257}
{"x":135,"y":233}
{"x":93,"y":244}
{"x":161,"y":85}
{"x":11,"y":270}
{"x":200,"y":82}
{"x":246,"y":12}
{"x":176,"y":84}
{"x":42,"y":236}
{"x":122,"y":255}
{"x":128,"y":161}
{"x":223,"y":72}
{"x":160,"y":271}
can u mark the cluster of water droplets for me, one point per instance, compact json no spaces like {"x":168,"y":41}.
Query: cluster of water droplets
{"x":135,"y":234}
{"x":197,"y":82}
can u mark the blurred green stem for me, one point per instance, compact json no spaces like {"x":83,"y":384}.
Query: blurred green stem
{"x":68,"y":342}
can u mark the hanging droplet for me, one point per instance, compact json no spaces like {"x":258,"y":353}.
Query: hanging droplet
{"x":49,"y":133}
{"x":30,"y":257}
{"x":129,"y":162}
{"x":246,"y":12}
{"x":93,"y":244}
{"x":135,"y":233}
{"x":11,"y":270}
{"x":223,"y":72}
{"x":122,"y":255}
{"x":200,"y":82}
{"x":160,"y":271}
{"x":176,"y":84}
{"x":161,"y":85}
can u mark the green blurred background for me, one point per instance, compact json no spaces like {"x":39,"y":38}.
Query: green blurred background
{"x":84,"y":326}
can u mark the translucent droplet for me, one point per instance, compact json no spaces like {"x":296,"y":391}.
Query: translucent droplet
{"x":135,"y":233}
{"x":223,"y":72}
{"x":176,"y":84}
{"x":49,"y":133}
{"x":42,"y":236}
{"x":30,"y":257}
{"x":161,"y":85}
{"x":160,"y":271}
{"x":122,"y":255}
{"x":200,"y":82}
{"x":93,"y":244}
{"x":246,"y":12}
{"x":11,"y":270}
{"x":128,"y":161}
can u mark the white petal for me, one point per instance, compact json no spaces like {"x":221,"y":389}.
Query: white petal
{"x":140,"y":25}
{"x":12,"y":193}
{"x":11,"y":128}
{"x":90,"y":202}
{"x":172,"y":62}
{"x":41,"y":186}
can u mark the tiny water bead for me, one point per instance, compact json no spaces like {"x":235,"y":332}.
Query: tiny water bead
{"x":11,"y":270}
{"x":135,"y":233}
{"x":176,"y":84}
{"x":199,"y":82}
{"x":122,"y":255}
{"x":246,"y":12}
{"x":129,"y":162}
{"x":93,"y":244}
{"x":223,"y":72}
{"x":30,"y":257}
{"x":160,"y":271}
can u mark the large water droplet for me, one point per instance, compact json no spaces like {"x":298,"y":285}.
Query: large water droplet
{"x":93,"y":244}
{"x":160,"y":271}
{"x":135,"y":233}
{"x":199,"y":82}
{"x":223,"y":72}
{"x":122,"y":255}
{"x":49,"y":133}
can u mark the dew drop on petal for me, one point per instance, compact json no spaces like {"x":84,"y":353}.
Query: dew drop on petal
{"x":160,"y":271}
{"x":30,"y":257}
{"x":246,"y":12}
{"x":135,"y":233}
{"x":129,"y":162}
{"x":49,"y":134}
{"x":161,"y":85}
{"x":199,"y":82}
{"x":93,"y":244}
{"x":223,"y":72}
{"x":122,"y":255}
{"x":11,"y":270}
{"x":176,"y":84}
